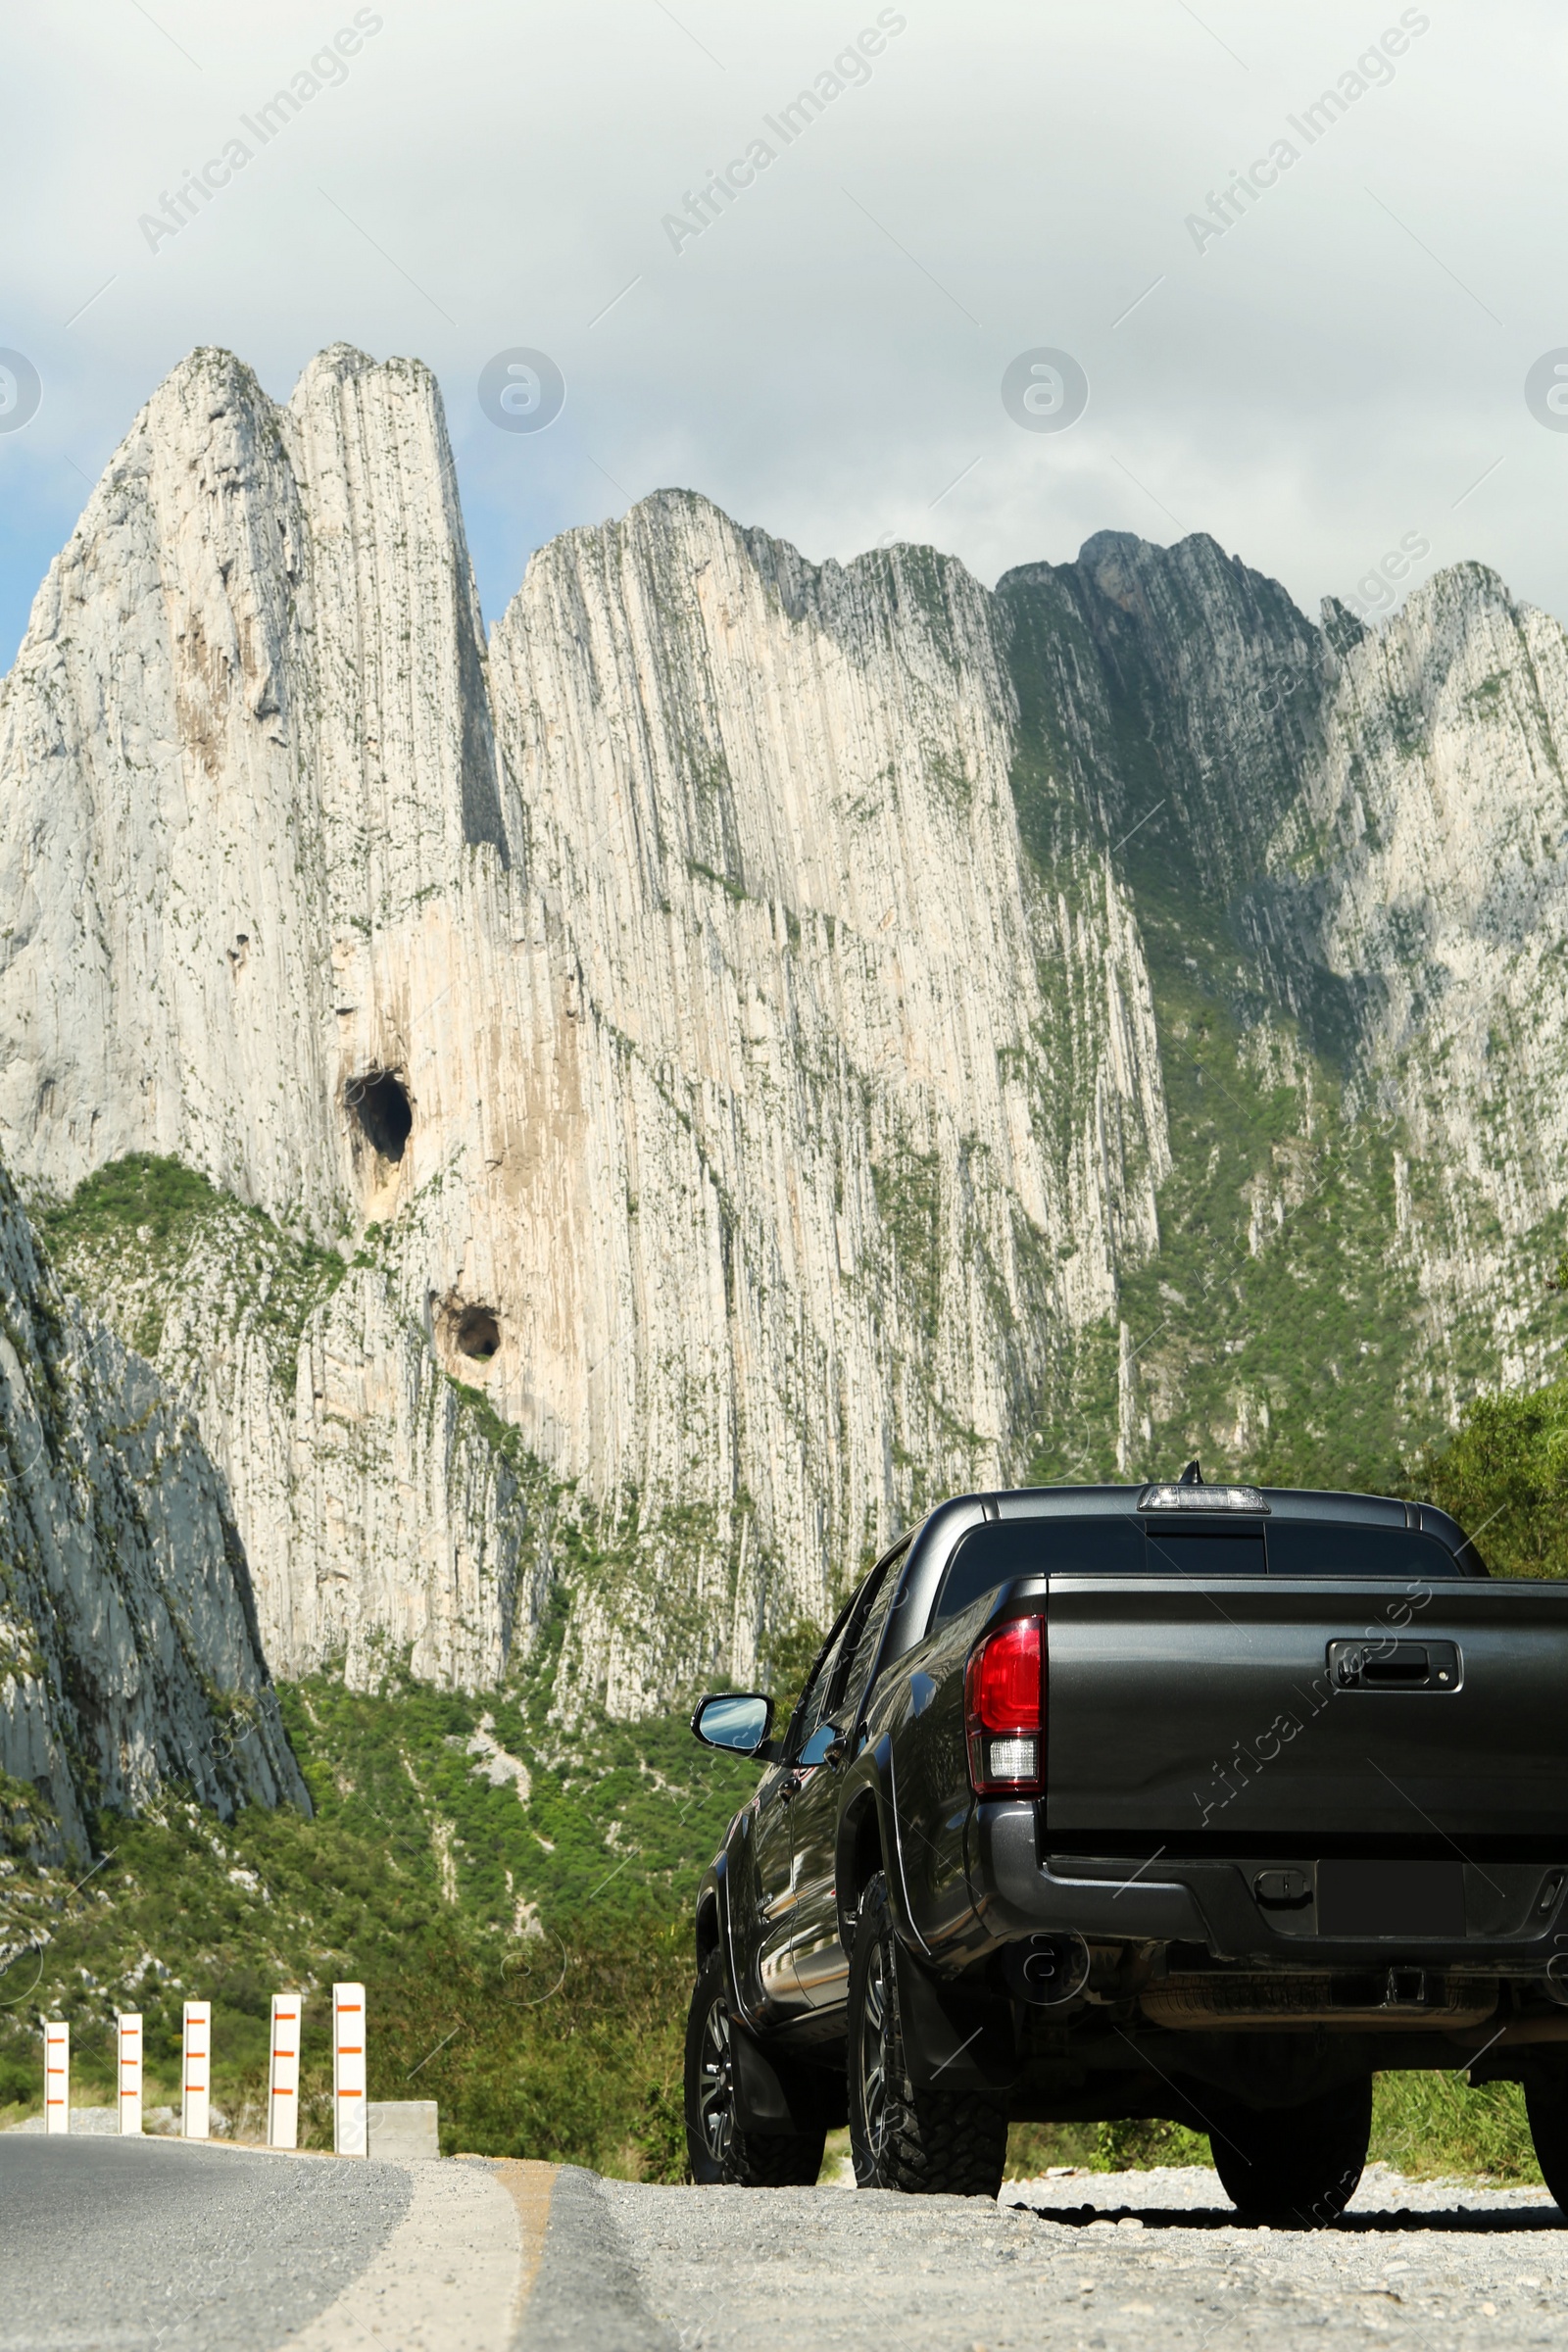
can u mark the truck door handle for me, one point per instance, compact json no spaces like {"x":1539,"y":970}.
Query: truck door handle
{"x":1374,"y":1664}
{"x":789,"y":1787}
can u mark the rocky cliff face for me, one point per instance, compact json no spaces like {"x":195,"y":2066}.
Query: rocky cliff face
{"x":391,"y":1523}
{"x":1420,"y":882}
{"x":754,"y":1045}
{"x":724,"y":1093}
{"x":1348,"y":856}
{"x":128,"y":1646}
{"x":870,"y":1102}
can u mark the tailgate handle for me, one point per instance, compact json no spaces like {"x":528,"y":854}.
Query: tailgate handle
{"x":1390,"y":1665}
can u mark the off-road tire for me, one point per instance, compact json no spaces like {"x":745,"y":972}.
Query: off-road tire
{"x":1296,"y":2168}
{"x":1546,"y":2106}
{"x":927,"y":2142}
{"x":716,"y":2149}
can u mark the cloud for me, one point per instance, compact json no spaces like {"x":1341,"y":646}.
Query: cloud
{"x":826,"y":359}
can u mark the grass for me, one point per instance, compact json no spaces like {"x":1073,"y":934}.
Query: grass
{"x":1428,"y":2125}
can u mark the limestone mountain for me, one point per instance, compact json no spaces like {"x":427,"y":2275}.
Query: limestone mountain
{"x":666,"y":1092}
{"x":1350,"y":866}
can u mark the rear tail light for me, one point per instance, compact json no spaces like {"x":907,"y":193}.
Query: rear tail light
{"x":1005,"y":1710}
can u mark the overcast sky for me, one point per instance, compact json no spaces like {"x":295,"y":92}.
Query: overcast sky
{"x":1337,"y":368}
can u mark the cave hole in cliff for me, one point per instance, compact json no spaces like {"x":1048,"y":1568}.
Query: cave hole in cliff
{"x":478,"y":1333}
{"x":379,"y":1101}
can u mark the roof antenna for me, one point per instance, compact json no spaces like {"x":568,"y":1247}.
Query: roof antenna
{"x":1192,"y":1476}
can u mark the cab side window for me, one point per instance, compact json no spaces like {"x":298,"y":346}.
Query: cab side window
{"x":838,"y":1680}
{"x":873,"y":1607}
{"x":811,"y":1712}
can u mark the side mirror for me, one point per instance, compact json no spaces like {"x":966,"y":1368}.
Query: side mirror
{"x":737,"y":1720}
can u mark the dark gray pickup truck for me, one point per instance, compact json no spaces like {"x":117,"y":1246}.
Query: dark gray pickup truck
{"x":1186,"y":1801}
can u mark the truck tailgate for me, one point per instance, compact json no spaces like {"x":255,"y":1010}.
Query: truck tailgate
{"x":1326,"y":1714}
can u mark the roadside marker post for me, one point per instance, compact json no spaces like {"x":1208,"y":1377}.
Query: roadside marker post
{"x":283,"y":2104}
{"x":197,"y":2072}
{"x":350,"y":2129}
{"x":56,"y":2075}
{"x":127,"y":2034}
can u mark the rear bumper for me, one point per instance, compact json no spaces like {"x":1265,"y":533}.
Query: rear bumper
{"x":1515,"y":1913}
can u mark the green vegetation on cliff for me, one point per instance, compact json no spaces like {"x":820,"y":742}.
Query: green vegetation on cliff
{"x":527,"y":1955}
{"x":1272,"y":1333}
{"x":1505,"y":1477}
{"x":127,"y":1236}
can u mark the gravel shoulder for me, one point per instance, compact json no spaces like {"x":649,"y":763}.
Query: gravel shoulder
{"x":1095,"y":2260}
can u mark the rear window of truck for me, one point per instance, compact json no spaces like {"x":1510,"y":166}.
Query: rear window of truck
{"x":992,"y":1555}
{"x":1322,"y":1548}
{"x":1121,"y":1544}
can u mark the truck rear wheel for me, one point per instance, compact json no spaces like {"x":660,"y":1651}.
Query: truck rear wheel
{"x":1546,"y":2106}
{"x":716,"y":2149}
{"x":926,"y":2142}
{"x":1296,"y":2166}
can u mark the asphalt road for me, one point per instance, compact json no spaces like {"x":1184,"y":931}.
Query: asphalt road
{"x":140,"y":2243}
{"x":110,"y":2247}
{"x":148,"y":2245}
